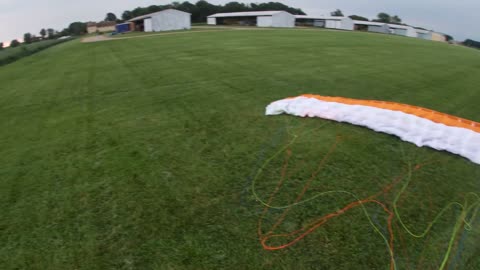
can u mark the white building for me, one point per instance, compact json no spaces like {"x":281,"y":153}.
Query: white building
{"x":424,"y":34}
{"x":165,"y":20}
{"x":375,"y":27}
{"x":254,"y":18}
{"x":403,"y":30}
{"x":343,"y":23}
{"x":436,"y":36}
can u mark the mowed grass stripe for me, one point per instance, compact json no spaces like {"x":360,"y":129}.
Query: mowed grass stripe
{"x":135,"y":153}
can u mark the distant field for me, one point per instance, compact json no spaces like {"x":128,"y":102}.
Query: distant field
{"x":9,"y":55}
{"x":140,"y":154}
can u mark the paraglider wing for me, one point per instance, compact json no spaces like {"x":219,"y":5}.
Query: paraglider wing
{"x":417,"y":125}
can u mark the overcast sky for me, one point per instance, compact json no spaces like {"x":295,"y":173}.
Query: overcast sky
{"x":454,"y":17}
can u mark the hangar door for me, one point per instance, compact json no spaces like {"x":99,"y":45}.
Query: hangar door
{"x":212,"y":21}
{"x":264,"y":21}
{"x":319,"y":23}
{"x":148,"y":25}
{"x":333,"y":24}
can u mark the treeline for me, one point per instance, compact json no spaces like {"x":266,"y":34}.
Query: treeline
{"x":202,"y":9}
{"x":471,"y":43}
{"x":12,"y":55}
{"x":74,"y":29}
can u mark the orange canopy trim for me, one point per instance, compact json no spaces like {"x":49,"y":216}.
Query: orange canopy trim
{"x":434,"y":116}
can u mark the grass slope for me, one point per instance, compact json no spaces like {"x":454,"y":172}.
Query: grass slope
{"x":9,"y":55}
{"x":138,"y":154}
{"x":149,"y":34}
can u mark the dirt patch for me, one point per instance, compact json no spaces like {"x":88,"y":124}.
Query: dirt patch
{"x":95,"y":39}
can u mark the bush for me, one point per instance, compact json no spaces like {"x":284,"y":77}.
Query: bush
{"x":472,"y":43}
{"x":10,"y":55}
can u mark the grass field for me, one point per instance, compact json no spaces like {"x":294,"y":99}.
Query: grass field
{"x":140,"y":153}
{"x":9,"y":55}
{"x":148,"y":34}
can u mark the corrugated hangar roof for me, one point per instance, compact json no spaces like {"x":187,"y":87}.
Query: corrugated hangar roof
{"x":422,"y":31}
{"x":245,"y":14}
{"x":151,"y":14}
{"x":319,"y":17}
{"x":399,"y":26}
{"x":368,"y":23}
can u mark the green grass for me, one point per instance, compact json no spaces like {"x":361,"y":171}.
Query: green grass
{"x":140,"y":34}
{"x":139,"y":154}
{"x":9,"y":55}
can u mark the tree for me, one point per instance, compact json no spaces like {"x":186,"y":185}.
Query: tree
{"x":201,"y":9}
{"x":77,"y":28}
{"x":111,"y":17}
{"x":27,"y":38}
{"x":396,"y":19}
{"x":139,"y":11}
{"x":64,"y":32}
{"x":337,"y":13}
{"x":386,"y":18}
{"x":1,"y":46}
{"x":43,"y":33}
{"x":449,"y":38}
{"x":276,"y":6}
{"x":358,"y":18}
{"x":154,"y":8}
{"x":383,"y":17}
{"x":51,"y":33}
{"x":205,"y":9}
{"x":14,"y":43}
{"x":127,"y":15}
{"x":188,"y":7}
{"x":471,"y":43}
{"x":235,"y":7}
